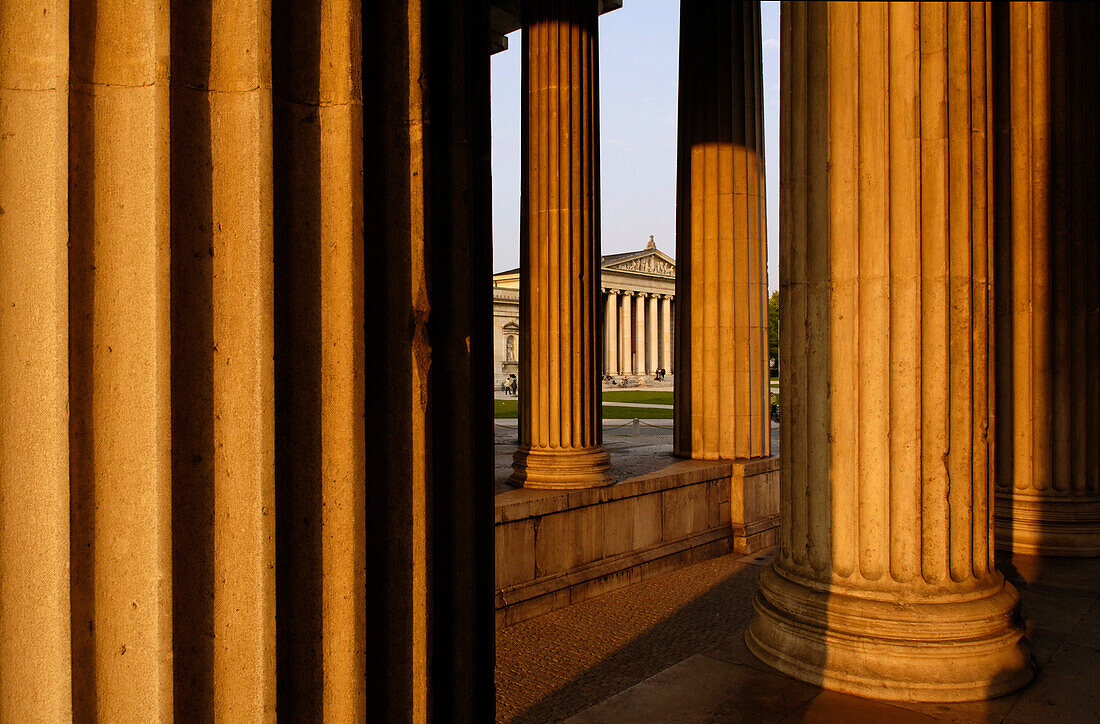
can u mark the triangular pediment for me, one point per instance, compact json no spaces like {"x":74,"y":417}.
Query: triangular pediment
{"x":649,"y":262}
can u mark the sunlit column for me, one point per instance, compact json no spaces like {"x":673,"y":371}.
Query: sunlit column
{"x":639,"y":333}
{"x":611,"y":330}
{"x":884,"y":583}
{"x":651,"y":323}
{"x":626,"y":328}
{"x":560,"y":432}
{"x":35,"y":650}
{"x":666,"y":332}
{"x":721,"y":251}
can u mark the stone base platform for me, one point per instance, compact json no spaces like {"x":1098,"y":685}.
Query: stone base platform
{"x":755,"y":504}
{"x":555,"y":548}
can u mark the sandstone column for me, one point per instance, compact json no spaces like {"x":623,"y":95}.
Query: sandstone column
{"x":560,"y":431}
{"x":884,"y":585}
{"x":1048,"y":492}
{"x":626,"y":329}
{"x":721,"y":250}
{"x":640,"y":333}
{"x":611,"y":329}
{"x":35,"y":660}
{"x":666,"y":332}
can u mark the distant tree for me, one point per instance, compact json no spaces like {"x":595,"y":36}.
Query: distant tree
{"x":773,"y":332}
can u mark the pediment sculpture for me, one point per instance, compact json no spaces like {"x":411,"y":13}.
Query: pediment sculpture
{"x":651,"y":264}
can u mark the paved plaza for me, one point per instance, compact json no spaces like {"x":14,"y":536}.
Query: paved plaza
{"x":671,"y":650}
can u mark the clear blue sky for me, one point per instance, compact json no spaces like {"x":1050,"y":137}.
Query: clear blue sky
{"x":638,"y":74}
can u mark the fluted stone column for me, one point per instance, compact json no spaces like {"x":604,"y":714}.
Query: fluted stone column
{"x":640,"y":333}
{"x":884,"y":584}
{"x":560,"y":431}
{"x":626,"y":328}
{"x":184,"y":299}
{"x":35,"y":652}
{"x":651,"y":323}
{"x":611,"y":330}
{"x":666,"y":332}
{"x":1048,"y":441}
{"x":721,"y":250}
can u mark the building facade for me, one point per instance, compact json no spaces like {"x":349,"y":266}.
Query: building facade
{"x":638,"y":328}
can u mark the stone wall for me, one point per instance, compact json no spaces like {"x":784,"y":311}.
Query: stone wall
{"x":555,"y":548}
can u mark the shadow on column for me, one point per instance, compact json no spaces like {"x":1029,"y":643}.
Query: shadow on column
{"x":192,"y":280}
{"x":1062,"y":517}
{"x":299,"y":573}
{"x":82,"y":204}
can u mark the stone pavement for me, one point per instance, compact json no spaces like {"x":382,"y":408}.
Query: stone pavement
{"x":670,"y":650}
{"x":633,"y":452}
{"x":554,"y":666}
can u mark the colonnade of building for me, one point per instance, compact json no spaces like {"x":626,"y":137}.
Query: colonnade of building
{"x":638,"y":332}
{"x":215,"y":503}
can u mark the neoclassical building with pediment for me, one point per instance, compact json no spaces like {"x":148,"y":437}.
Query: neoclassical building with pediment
{"x":638,"y":289}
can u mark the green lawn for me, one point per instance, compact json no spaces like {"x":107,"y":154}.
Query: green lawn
{"x":510,"y":409}
{"x":642,"y":413}
{"x":650,"y":397}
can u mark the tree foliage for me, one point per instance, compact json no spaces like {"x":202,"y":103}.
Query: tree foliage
{"x":773,"y":326}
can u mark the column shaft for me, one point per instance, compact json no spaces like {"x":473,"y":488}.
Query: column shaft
{"x":611,"y":328}
{"x":243,"y":380}
{"x":223,"y":381}
{"x":35,"y":661}
{"x":886,"y":552}
{"x":626,"y":336}
{"x":1048,"y":493}
{"x":560,"y":433}
{"x":640,"y":356}
{"x":119,"y":360}
{"x":429,"y":639}
{"x":651,"y":321}
{"x":320,"y":482}
{"x":721,"y":284}
{"x":666,"y":333}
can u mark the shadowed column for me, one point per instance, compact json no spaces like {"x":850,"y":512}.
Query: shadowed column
{"x":721,"y":285}
{"x":119,"y":361}
{"x":884,"y":584}
{"x":560,"y":434}
{"x":429,"y":426}
{"x":1048,"y":490}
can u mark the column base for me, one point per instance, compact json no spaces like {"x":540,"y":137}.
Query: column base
{"x":563,"y":469}
{"x":1047,"y":526}
{"x":948,"y":651}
